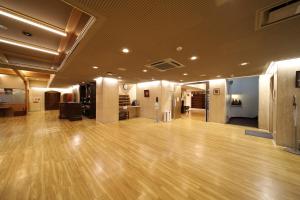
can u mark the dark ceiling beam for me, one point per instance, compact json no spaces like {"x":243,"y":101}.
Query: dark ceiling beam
{"x":21,"y":75}
{"x":72,"y":24}
{"x":7,"y":71}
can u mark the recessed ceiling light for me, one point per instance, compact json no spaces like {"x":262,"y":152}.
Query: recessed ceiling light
{"x":119,"y":77}
{"x":219,"y":76}
{"x":145,"y":70}
{"x":203,"y":75}
{"x":122,"y":69}
{"x":19,"y":17}
{"x":244,"y":64}
{"x":185,"y":74}
{"x":125,"y":50}
{"x":193,"y":58}
{"x":179,"y":48}
{"x":27,"y":46}
{"x":51,"y":67}
{"x":181,"y":80}
{"x":26,"y":33}
{"x":95,"y":67}
{"x":109,"y":73}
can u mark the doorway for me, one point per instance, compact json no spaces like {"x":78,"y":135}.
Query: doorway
{"x":195,"y":101}
{"x":242,"y":101}
{"x":52,"y":99}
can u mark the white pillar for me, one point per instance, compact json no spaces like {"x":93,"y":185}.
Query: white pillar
{"x":107,"y":100}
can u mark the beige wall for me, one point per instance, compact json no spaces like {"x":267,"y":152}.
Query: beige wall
{"x":217,"y":103}
{"x":147,"y":103}
{"x":11,"y":81}
{"x":263,"y":102}
{"x":39,"y":93}
{"x":131,"y":91}
{"x":168,"y":94}
{"x":107,"y":100}
{"x":286,"y":74}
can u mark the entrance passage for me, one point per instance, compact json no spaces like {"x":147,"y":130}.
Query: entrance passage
{"x":242,"y":101}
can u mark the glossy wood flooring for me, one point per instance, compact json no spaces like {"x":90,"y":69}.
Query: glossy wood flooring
{"x":42,"y":157}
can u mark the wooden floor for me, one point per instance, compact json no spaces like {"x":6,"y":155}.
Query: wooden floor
{"x":42,"y":157}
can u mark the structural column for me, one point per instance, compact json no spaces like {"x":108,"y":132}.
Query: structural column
{"x":107,"y":100}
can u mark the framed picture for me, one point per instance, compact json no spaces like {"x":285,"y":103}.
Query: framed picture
{"x":146,"y":93}
{"x":216,"y":91}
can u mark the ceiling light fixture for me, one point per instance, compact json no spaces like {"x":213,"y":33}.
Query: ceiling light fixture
{"x":218,"y":76}
{"x":179,"y":48}
{"x":185,"y":74}
{"x":181,"y":80}
{"x":26,"y":33}
{"x":22,"y":18}
{"x":27,"y":46}
{"x":244,"y":64}
{"x":122,"y":69}
{"x":144,"y":70}
{"x":109,"y":73}
{"x":203,"y":75}
{"x":95,"y":67}
{"x":119,"y":77}
{"x":125,"y":50}
{"x":193,"y":58}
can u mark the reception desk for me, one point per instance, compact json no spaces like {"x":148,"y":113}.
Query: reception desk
{"x":70,"y":110}
{"x":134,"y":111}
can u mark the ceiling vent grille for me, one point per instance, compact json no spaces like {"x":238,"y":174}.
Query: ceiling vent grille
{"x":282,"y":11}
{"x":165,"y":65}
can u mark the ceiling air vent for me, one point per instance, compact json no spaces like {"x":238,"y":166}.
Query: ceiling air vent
{"x":284,"y":10}
{"x":165,"y":64}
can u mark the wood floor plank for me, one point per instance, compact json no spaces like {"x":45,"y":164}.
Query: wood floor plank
{"x":42,"y":157}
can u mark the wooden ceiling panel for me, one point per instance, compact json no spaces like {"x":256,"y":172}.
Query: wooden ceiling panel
{"x":221,"y":33}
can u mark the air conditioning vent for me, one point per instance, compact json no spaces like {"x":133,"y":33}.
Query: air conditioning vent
{"x":285,"y":10}
{"x":165,"y":64}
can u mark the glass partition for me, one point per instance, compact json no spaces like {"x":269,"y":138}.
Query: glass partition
{"x":12,"y":96}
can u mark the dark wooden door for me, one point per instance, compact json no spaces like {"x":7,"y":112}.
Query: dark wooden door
{"x":52,"y":99}
{"x":198,"y":100}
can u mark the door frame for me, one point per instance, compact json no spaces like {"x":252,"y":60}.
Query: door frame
{"x":206,"y":96}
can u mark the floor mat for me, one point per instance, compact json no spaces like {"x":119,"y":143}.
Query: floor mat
{"x":259,"y":134}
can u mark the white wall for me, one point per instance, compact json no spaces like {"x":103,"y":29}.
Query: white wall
{"x":264,"y":102}
{"x":188,"y":98}
{"x":107,"y":100}
{"x":217,"y":103}
{"x":165,"y":91}
{"x":36,"y":93}
{"x":286,"y":75}
{"x":147,"y":103}
{"x":131,"y":91}
{"x":246,"y":89}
